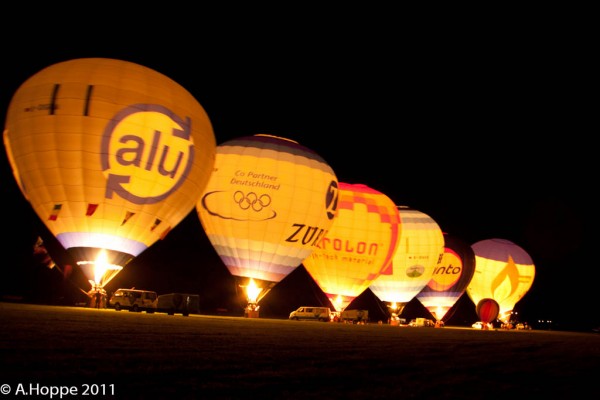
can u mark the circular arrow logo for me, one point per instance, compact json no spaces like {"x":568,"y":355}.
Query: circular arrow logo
{"x":147,"y":153}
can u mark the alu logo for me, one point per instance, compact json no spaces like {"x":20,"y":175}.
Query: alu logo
{"x":147,"y":153}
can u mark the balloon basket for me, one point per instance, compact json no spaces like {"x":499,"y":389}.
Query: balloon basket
{"x":251,"y":310}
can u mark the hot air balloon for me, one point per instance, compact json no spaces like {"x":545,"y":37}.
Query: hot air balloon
{"x":110,"y":154}
{"x":450,"y":278}
{"x":504,"y":272}
{"x":420,"y":249}
{"x":487,"y":310}
{"x":358,"y":246}
{"x":268,"y":203}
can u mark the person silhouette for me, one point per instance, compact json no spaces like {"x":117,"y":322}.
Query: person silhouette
{"x":98,"y":298}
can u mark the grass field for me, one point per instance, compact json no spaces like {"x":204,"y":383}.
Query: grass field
{"x":139,"y":355}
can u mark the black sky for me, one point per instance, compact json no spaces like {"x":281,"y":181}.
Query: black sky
{"x":485,"y":130}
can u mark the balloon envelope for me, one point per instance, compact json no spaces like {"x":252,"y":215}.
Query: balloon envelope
{"x":268,"y":203}
{"x":487,"y":310}
{"x":110,"y":154}
{"x":450,"y":277}
{"x":359,"y":244}
{"x":420,"y":249}
{"x":503,"y":272}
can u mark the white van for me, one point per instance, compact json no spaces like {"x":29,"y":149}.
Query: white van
{"x":133,"y":300}
{"x":311,"y":313}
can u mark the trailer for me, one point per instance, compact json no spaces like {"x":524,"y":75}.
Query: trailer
{"x":355,"y":316}
{"x":180,"y":303}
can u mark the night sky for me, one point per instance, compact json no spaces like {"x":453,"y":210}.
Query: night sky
{"x":485,"y":132}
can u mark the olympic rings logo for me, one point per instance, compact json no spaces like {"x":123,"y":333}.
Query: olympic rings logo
{"x":251,"y":200}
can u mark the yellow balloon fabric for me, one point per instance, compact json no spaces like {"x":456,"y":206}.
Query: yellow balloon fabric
{"x":450,"y":278}
{"x":504,"y":272}
{"x":359,"y":245}
{"x":110,"y":154}
{"x":420,"y":249}
{"x":268,"y":203}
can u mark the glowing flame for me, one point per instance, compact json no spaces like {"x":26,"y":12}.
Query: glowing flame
{"x":440,"y":312}
{"x":101,"y":266}
{"x":338,"y":302}
{"x":252,"y":291}
{"x":100,"y":271}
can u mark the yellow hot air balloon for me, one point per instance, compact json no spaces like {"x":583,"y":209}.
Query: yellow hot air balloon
{"x":110,"y":154}
{"x":358,"y":246}
{"x":450,"y":278}
{"x":420,"y":249}
{"x":268,"y":203}
{"x":504,"y":272}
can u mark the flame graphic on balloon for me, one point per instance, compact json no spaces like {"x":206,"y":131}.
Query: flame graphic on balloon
{"x":507,"y":281}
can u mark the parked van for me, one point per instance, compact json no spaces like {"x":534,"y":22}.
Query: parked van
{"x":311,"y":313}
{"x":133,"y":300}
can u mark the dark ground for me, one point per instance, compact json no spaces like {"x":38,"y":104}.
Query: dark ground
{"x":214,"y":357}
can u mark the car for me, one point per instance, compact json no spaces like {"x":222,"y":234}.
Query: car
{"x":523,"y":325}
{"x":421,"y":322}
{"x":481,"y":325}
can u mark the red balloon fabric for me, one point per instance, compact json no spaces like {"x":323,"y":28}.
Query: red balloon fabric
{"x":487,"y":310}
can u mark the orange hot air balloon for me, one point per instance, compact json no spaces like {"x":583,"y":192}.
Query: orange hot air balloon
{"x":503,"y":272}
{"x":358,"y":246}
{"x":487,"y":310}
{"x":268,"y":203}
{"x":450,"y":278}
{"x":420,"y":249}
{"x":110,"y":154}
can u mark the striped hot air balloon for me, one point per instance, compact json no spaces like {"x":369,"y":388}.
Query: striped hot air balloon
{"x":268,"y":203}
{"x":419,"y":251}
